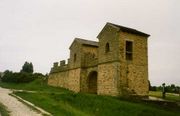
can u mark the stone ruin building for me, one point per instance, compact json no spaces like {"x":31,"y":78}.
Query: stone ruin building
{"x":116,"y":65}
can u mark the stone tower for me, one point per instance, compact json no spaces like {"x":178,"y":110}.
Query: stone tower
{"x":117,"y":65}
{"x":123,"y":61}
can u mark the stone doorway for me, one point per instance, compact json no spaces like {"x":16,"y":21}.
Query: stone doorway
{"x":92,"y":82}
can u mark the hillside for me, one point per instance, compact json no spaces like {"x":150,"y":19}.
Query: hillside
{"x":59,"y":101}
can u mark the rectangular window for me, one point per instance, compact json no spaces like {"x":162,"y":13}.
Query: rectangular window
{"x":129,"y":50}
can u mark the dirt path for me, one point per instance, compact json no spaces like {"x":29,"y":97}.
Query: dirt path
{"x":15,"y":107}
{"x":156,"y":98}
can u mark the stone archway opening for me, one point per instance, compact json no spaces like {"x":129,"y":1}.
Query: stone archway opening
{"x":92,"y":82}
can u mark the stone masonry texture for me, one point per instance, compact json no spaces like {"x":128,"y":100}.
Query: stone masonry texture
{"x":110,"y":66}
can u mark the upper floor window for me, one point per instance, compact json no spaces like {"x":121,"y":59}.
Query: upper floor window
{"x":75,"y":57}
{"x":129,"y":50}
{"x":107,"y":48}
{"x":93,"y":55}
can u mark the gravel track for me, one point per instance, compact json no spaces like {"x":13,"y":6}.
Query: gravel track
{"x":15,"y":107}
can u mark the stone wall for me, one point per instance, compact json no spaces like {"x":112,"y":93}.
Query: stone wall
{"x":59,"y":79}
{"x":53,"y":79}
{"x":89,"y":56}
{"x":108,"y":78}
{"x":74,"y":80}
{"x":84,"y":81}
{"x":108,"y":62}
{"x":75,"y":51}
{"x":73,"y":75}
{"x":116,"y":75}
{"x":110,"y":35}
{"x":85,"y":73}
{"x":69,"y":79}
{"x":135,"y":72}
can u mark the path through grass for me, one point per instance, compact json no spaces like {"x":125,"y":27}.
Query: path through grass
{"x":59,"y":101}
{"x":85,"y":104}
{"x":169,"y":96}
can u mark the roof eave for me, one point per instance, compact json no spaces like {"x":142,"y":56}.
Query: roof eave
{"x":125,"y":29}
{"x":105,"y":27}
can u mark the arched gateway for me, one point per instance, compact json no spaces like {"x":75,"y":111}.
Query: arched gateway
{"x":92,"y":82}
{"x":115,"y":65}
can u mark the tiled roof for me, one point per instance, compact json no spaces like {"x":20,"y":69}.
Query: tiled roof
{"x":85,"y":42}
{"x":130,"y":30}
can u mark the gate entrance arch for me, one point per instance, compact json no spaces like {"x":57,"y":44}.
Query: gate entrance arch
{"x":92,"y":82}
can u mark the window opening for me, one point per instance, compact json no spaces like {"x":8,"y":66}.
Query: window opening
{"x":107,"y":49}
{"x":129,"y":50}
{"x":74,"y":57}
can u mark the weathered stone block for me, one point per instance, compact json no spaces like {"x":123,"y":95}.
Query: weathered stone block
{"x":117,"y":65}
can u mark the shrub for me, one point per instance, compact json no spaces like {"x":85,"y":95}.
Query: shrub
{"x":7,"y":76}
{"x":18,"y":77}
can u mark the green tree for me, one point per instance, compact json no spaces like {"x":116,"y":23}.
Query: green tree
{"x":27,"y":67}
{"x":7,"y":77}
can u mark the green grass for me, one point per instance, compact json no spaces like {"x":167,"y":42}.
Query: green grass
{"x":169,"y":96}
{"x":3,"y":110}
{"x":60,"y":101}
{"x":86,"y":104}
{"x":36,"y":85}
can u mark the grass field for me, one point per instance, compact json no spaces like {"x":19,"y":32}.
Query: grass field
{"x":3,"y":110}
{"x":169,"y":96}
{"x":60,"y":101}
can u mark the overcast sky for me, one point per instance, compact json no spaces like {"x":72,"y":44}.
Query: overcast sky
{"x":41,"y":31}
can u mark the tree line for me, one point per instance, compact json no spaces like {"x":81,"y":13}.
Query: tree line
{"x":172,"y":88}
{"x":24,"y":76}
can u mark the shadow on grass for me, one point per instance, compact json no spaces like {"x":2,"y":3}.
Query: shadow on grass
{"x":3,"y":110}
